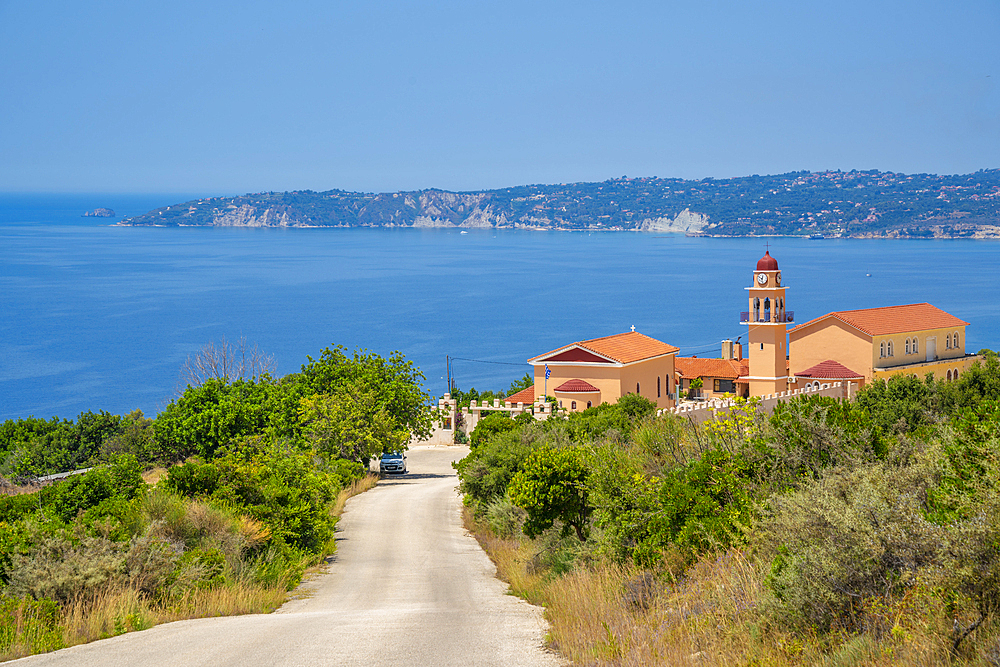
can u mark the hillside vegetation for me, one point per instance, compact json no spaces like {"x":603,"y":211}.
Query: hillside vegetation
{"x":855,"y":533}
{"x":857,"y":204}
{"x":246,"y":478}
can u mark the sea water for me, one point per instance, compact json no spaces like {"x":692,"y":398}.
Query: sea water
{"x":102,"y":317}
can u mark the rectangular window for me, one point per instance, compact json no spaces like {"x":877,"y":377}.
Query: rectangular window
{"x":725,"y":386}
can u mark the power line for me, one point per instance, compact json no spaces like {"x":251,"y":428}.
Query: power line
{"x":484,"y":361}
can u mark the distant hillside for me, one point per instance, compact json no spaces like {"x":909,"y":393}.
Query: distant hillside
{"x":857,"y":204}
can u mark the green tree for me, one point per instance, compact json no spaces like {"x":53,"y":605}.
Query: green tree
{"x":551,"y":486}
{"x":208,"y":417}
{"x":520,"y":385}
{"x":352,"y":423}
{"x":395,"y":385}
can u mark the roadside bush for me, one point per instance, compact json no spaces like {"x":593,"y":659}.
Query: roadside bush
{"x":704,"y":505}
{"x":62,"y":570}
{"x":486,"y":472}
{"x":853,"y":536}
{"x":625,"y":500}
{"x":273,"y":483}
{"x":488,"y":428}
{"x":151,"y":562}
{"x":504,"y":517}
{"x":550,"y":487}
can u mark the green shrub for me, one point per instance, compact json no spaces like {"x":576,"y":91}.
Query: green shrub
{"x":489,"y":427}
{"x":504,"y":517}
{"x":151,"y":562}
{"x":703,"y":505}
{"x":854,"y":535}
{"x":550,"y":487}
{"x":193,"y":479}
{"x":346,"y":472}
{"x":273,"y":483}
{"x":60,"y":569}
{"x":486,"y":472}
{"x":625,"y":501}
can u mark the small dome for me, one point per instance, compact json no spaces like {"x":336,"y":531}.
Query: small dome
{"x":767,"y":263}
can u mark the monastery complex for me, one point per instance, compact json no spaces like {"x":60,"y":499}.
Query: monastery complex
{"x":851,"y":347}
{"x":833,"y":355}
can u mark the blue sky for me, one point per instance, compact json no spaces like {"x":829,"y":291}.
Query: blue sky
{"x":230,"y":98}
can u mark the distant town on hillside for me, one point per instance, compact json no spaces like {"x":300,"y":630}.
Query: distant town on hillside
{"x":828,"y":204}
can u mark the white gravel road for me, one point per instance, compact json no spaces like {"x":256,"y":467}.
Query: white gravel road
{"x":408,"y":586}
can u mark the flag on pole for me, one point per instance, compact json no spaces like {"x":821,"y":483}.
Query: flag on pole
{"x":547,"y":372}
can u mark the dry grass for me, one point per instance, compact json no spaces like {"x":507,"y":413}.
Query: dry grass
{"x":611,"y":614}
{"x":8,"y":488}
{"x":154,"y":475}
{"x":114,"y":612}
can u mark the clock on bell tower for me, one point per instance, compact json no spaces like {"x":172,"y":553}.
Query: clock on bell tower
{"x":767,"y":319}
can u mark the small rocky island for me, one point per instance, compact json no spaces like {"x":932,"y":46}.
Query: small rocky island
{"x":99,"y":213}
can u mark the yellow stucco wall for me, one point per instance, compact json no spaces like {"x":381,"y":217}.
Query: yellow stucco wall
{"x":939,"y":367}
{"x":899,"y":347}
{"x":645,"y":374}
{"x":612,"y":381}
{"x":829,"y":339}
{"x":833,"y":339}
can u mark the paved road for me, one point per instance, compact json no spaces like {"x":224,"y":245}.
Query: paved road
{"x":408,"y":587}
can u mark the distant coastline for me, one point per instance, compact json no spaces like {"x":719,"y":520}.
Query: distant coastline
{"x":831,"y":204}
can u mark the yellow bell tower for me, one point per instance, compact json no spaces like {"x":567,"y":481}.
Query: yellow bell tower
{"x":767,"y":317}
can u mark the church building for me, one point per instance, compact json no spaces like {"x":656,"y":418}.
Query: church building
{"x":602,"y":370}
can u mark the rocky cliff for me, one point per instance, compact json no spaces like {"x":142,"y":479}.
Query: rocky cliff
{"x":860,"y":204}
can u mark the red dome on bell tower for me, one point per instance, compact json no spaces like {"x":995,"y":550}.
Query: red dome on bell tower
{"x":767,"y":263}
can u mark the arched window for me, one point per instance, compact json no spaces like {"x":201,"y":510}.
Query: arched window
{"x":767,"y":309}
{"x":881,"y":349}
{"x":907,"y":345}
{"x":572,"y":406}
{"x":560,"y":402}
{"x":954,"y":376}
{"x":954,"y":342}
{"x":658,"y":394}
{"x":888,"y":348}
{"x":637,"y":387}
{"x":949,"y":373}
{"x":756,"y":309}
{"x":947,"y":342}
{"x":916,"y":348}
{"x":588,"y":405}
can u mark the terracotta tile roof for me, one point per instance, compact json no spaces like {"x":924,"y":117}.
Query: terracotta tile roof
{"x":625,"y":348}
{"x":693,"y":367}
{"x":829,"y":370}
{"x":576,"y":387}
{"x":525,"y":396}
{"x":894,"y":319}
